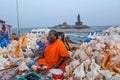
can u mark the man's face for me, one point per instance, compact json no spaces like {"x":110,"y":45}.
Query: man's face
{"x":52,"y":37}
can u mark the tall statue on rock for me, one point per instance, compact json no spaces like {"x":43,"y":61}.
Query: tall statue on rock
{"x":78,"y":20}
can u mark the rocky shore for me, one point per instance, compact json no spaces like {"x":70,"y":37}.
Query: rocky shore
{"x":74,"y":31}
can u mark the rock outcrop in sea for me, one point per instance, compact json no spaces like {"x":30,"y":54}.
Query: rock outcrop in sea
{"x":78,"y":24}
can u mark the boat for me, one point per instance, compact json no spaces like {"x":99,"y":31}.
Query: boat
{"x":40,"y":31}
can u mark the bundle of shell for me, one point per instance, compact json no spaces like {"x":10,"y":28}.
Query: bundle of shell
{"x":33,"y":38}
{"x":97,"y":59}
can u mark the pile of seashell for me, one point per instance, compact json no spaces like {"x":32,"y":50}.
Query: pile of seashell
{"x":33,"y":38}
{"x":13,"y":52}
{"x":97,"y":60}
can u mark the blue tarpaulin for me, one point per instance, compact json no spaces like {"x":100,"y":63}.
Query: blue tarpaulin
{"x":4,"y":41}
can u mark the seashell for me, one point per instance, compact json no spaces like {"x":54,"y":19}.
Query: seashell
{"x":89,"y":49}
{"x":17,"y":52}
{"x":116,"y":77}
{"x":87,"y":64}
{"x":107,"y":74}
{"x":99,"y":59}
{"x":74,"y":63}
{"x":106,"y":59}
{"x":94,"y":73}
{"x":34,"y":67}
{"x":94,"y":65}
{"x":79,"y":72}
{"x":28,"y":60}
{"x":22,"y":66}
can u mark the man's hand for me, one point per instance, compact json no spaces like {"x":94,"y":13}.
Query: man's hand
{"x":53,"y":67}
{"x":34,"y":67}
{"x":41,"y":55}
{"x":59,"y":62}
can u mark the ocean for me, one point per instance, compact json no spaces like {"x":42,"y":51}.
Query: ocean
{"x":75,"y":37}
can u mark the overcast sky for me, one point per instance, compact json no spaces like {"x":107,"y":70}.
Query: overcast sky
{"x":45,"y":13}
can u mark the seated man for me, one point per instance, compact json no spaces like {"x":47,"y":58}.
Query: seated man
{"x":55,"y":53}
{"x":64,"y":39}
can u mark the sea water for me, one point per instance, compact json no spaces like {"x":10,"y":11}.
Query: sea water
{"x":75,"y":37}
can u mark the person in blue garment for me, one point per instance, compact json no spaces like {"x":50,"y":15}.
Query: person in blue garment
{"x":40,"y":44}
{"x":40,"y":48}
{"x":3,"y":37}
{"x":36,"y":52}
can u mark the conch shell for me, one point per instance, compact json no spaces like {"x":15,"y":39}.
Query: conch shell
{"x":22,"y":66}
{"x":17,"y":52}
{"x":106,"y":59}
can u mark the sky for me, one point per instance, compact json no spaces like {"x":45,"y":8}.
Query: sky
{"x":48,"y":13}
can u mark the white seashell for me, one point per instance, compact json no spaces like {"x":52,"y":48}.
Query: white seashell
{"x":107,"y":74}
{"x":79,"y":72}
{"x":116,"y":77}
{"x":74,"y":63}
{"x":86,"y":64}
{"x":22,"y":66}
{"x":94,"y":73}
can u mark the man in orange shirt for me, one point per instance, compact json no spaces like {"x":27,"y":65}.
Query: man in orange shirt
{"x":55,"y":53}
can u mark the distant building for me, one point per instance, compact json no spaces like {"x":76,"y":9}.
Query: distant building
{"x":65,"y":23}
{"x":1,"y":21}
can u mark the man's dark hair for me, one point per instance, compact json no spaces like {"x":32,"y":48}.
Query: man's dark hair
{"x":13,"y":33}
{"x":16,"y":38}
{"x":55,"y":33}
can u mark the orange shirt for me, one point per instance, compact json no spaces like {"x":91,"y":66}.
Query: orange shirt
{"x":52,"y":54}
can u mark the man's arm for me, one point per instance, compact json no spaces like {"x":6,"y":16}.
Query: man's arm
{"x":39,"y":53}
{"x":59,"y":62}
